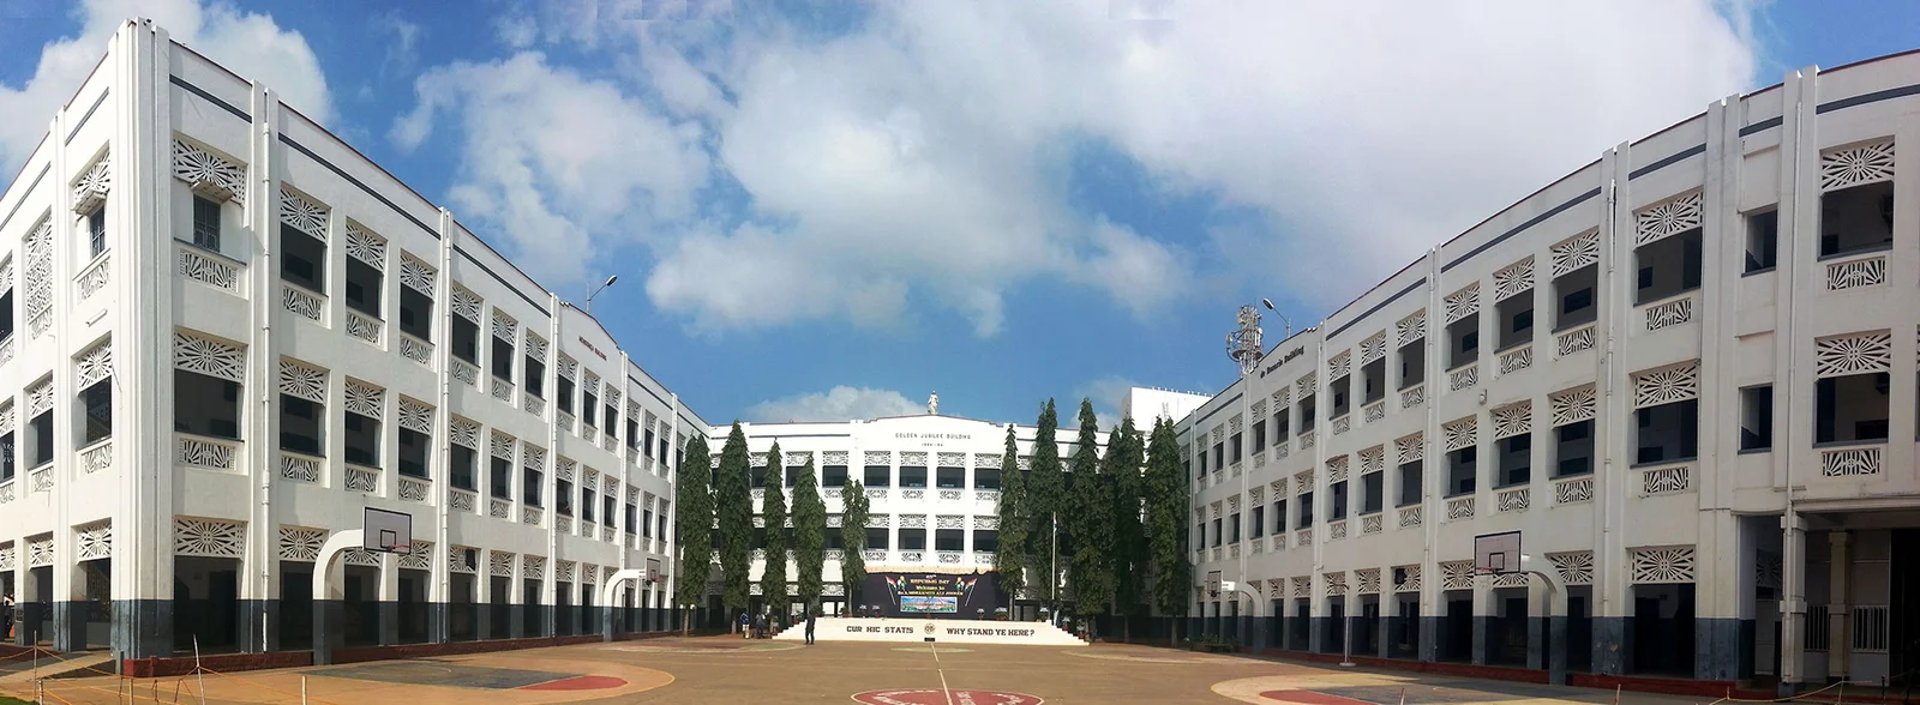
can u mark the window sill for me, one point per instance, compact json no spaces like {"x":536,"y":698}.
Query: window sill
{"x":1564,"y":327}
{"x":1661,"y":463}
{"x":1755,"y":451}
{"x":210,"y":252}
{"x":1760,"y":271}
{"x":1571,"y":475}
{"x":1515,"y":345}
{"x":1457,"y":495}
{"x":1874,"y":250}
{"x":1852,"y":443}
{"x":1642,"y":303}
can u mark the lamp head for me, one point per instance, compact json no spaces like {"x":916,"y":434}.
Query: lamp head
{"x":611,"y":280}
{"x":1267,"y":303}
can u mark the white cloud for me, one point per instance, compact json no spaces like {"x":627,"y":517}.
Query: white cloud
{"x":925,"y":156}
{"x":401,"y":53}
{"x":567,"y":168}
{"x":1108,"y":394}
{"x":516,"y":31}
{"x":842,"y":403}
{"x":246,"y":42}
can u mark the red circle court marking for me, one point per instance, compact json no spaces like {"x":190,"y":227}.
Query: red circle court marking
{"x":579,"y":683}
{"x":936,"y":696}
{"x":1310,"y":697}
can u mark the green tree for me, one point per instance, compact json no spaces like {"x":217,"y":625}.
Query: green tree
{"x":853,"y":540}
{"x":773,"y":510}
{"x":1010,"y":557}
{"x":809,"y":534}
{"x":733,"y":506}
{"x":1166,"y":503}
{"x":1088,"y":536}
{"x":693,"y":527}
{"x":1046,"y":489}
{"x":1126,"y":557}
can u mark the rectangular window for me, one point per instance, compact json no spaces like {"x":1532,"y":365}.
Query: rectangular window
{"x":1461,"y":470}
{"x":97,"y":402}
{"x":206,"y":223}
{"x":1279,"y":516}
{"x":983,"y":539}
{"x":300,"y":425}
{"x":1668,"y":266}
{"x":646,"y":525}
{"x":6,"y":315}
{"x":757,"y":476}
{"x":1464,"y":338}
{"x":913,"y":539}
{"x":1280,"y":429}
{"x":1218,"y":536}
{"x":1233,"y":524}
{"x":8,"y":444}
{"x":1412,"y":483}
{"x":363,"y":287}
{"x":363,"y":440}
{"x":950,"y":478}
{"x":97,"y":232}
{"x":633,"y":434}
{"x":610,"y":417}
{"x":563,"y":492}
{"x":607,"y":508}
{"x":1219,"y":456}
{"x":416,"y":314}
{"x":535,"y":373}
{"x":461,"y":462}
{"x":986,"y":478}
{"x":589,"y":403}
{"x":303,"y":259}
{"x":833,"y":476}
{"x":1516,"y":459}
{"x":648,"y":446}
{"x":1306,"y":414}
{"x":877,"y":539}
{"x":1338,"y":508}
{"x":1305,"y":519}
{"x":564,"y":398}
{"x":949,"y":540}
{"x":1413,"y":364}
{"x":1259,"y":521}
{"x":500,"y":478}
{"x":502,"y":359}
{"x":1763,"y":240}
{"x":1851,"y":408}
{"x":793,"y":475}
{"x":1756,"y":418}
{"x":466,"y":340}
{"x":1339,"y":390}
{"x":1373,"y":490}
{"x":914,"y":476}
{"x":413,"y":453}
{"x":879,"y":476}
{"x":1573,"y":449}
{"x":42,"y":429}
{"x":205,"y":405}
{"x":1856,"y":219}
{"x":1668,"y":432}
{"x":532,"y":484}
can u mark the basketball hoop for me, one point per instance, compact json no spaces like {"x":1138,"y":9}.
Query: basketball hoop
{"x":1213,"y":585}
{"x":387,"y":531}
{"x":1496,"y":554}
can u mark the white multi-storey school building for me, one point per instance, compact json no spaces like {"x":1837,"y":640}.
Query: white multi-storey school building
{"x":932,"y":484}
{"x":1684,"y":372}
{"x":235,"y":332}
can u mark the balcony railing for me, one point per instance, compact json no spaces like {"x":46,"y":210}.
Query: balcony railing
{"x":301,"y":302}
{"x":416,"y":349}
{"x":1516,"y":359}
{"x":948,"y":557}
{"x":95,"y":277}
{"x":1336,"y":530}
{"x":364,"y":327}
{"x":299,"y":467}
{"x":465,"y":372}
{"x":206,"y":453}
{"x":1371,"y":524}
{"x":41,"y":478}
{"x":461,"y":500}
{"x":1851,"y":461}
{"x":210,"y":268}
{"x":1666,"y":479}
{"x":1303,"y":537}
{"x":1573,"y":340}
{"x":414,"y":489}
{"x":1340,"y":425}
{"x":986,"y":495}
{"x":96,"y":457}
{"x":1857,"y":271}
{"x":1573,"y":490}
{"x":1512,"y":499}
{"x":499,"y":508}
{"x":1460,"y":508}
{"x":363,"y":479}
{"x":1375,"y":411}
{"x":532,"y":516}
{"x":1673,"y":311}
{"x":1411,"y":516}
{"x":1463,"y":376}
{"x":1413,"y":396}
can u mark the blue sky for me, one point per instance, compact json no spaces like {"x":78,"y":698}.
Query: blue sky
{"x":832,"y":212}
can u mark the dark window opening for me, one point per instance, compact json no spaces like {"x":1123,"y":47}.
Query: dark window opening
{"x":1756,"y":418}
{"x":836,"y":476}
{"x":461,"y":461}
{"x":950,"y":478}
{"x":1516,"y":320}
{"x":1667,"y":432}
{"x":1373,"y":492}
{"x":1413,"y":364}
{"x":1279,"y":516}
{"x":1306,"y":414}
{"x":1856,"y":219}
{"x":1463,"y":341}
{"x":466,"y":340}
{"x":1373,"y":379}
{"x":363,"y":287}
{"x":913,"y":539}
{"x":1516,"y":460}
{"x":1411,"y":483}
{"x":879,"y":476}
{"x":416,"y":314}
{"x":1233,"y":528}
{"x":564,"y":398}
{"x":1851,"y":408}
{"x":589,"y":403}
{"x":1259,"y":436}
{"x":500,"y":478}
{"x":1337,"y":508}
{"x":1305,"y":520}
{"x":1258,"y":522}
{"x":532,"y":484}
{"x":413,"y":453}
{"x":503,"y":359}
{"x":206,"y":223}
{"x":563,"y":494}
{"x":1462,"y":467}
{"x":303,"y":259}
{"x":1573,"y":449}
{"x":362,"y":440}
{"x":949,"y":539}
{"x":97,"y":232}
{"x":41,"y":428}
{"x":1667,"y":267}
{"x":1280,"y":425}
{"x":877,"y":539}
{"x":913,"y":476}
{"x":983,"y":539}
{"x":1575,"y":290}
{"x":300,"y":425}
{"x":1234,"y":444}
{"x":535,"y":373}
{"x":205,"y":405}
{"x":1763,"y":240}
{"x":1342,"y":403}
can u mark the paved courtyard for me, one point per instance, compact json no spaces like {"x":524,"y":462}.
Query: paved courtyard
{"x":730,"y":670}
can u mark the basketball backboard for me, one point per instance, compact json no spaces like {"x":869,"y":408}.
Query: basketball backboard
{"x":386,"y":531}
{"x":653,"y":570}
{"x":1497,"y":554}
{"x":1213,"y":584}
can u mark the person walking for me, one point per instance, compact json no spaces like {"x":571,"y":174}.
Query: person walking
{"x":810,"y":615}
{"x":6,"y":618}
{"x":746,"y":625}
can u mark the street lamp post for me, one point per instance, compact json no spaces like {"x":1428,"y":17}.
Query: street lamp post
{"x":597,"y":290}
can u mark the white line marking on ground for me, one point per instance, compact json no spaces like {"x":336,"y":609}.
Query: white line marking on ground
{"x":942,"y":671}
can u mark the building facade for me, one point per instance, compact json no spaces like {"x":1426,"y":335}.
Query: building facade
{"x":238,"y":332}
{"x":1684,"y":372}
{"x":932,"y":484}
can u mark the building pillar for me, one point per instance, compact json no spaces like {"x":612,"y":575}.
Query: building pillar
{"x":1541,"y":644}
{"x":389,"y":599}
{"x":1839,"y":604}
{"x":1482,"y":607}
{"x":482,"y":598}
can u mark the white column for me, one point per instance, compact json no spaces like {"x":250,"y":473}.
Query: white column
{"x":1839,"y":604}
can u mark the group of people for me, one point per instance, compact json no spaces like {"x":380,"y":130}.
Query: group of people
{"x":764,"y":624}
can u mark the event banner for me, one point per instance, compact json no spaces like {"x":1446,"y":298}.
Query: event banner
{"x":933,"y":594}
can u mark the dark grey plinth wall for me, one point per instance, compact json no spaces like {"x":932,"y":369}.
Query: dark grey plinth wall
{"x":1612,"y":646}
{"x":389,"y":623}
{"x":1719,"y":648}
{"x":329,"y":629}
{"x":69,"y":626}
{"x":1537,"y":646}
{"x":1429,"y":638}
{"x":253,"y":613}
{"x":143,"y":628}
{"x":1317,"y":633}
{"x":1480,"y":640}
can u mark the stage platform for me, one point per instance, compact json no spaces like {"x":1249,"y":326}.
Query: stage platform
{"x":939,"y":631}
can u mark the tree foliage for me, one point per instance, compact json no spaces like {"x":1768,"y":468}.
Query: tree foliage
{"x":1010,"y":558}
{"x":1088,"y":534}
{"x":693,"y":523}
{"x":1046,"y":489}
{"x":1126,"y":555}
{"x":809,"y":534}
{"x":773,"y":511}
{"x":1166,"y":503}
{"x":733,"y":506}
{"x":853,"y":539}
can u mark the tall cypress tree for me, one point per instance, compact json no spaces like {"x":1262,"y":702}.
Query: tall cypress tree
{"x":1089,"y":536}
{"x":1127,"y":557}
{"x":1010,"y":557}
{"x":733,"y":506}
{"x":1166,"y":503}
{"x":773,"y":510}
{"x":809,"y":534}
{"x":1046,"y":489}
{"x":693,"y":527}
{"x":853,"y":540}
